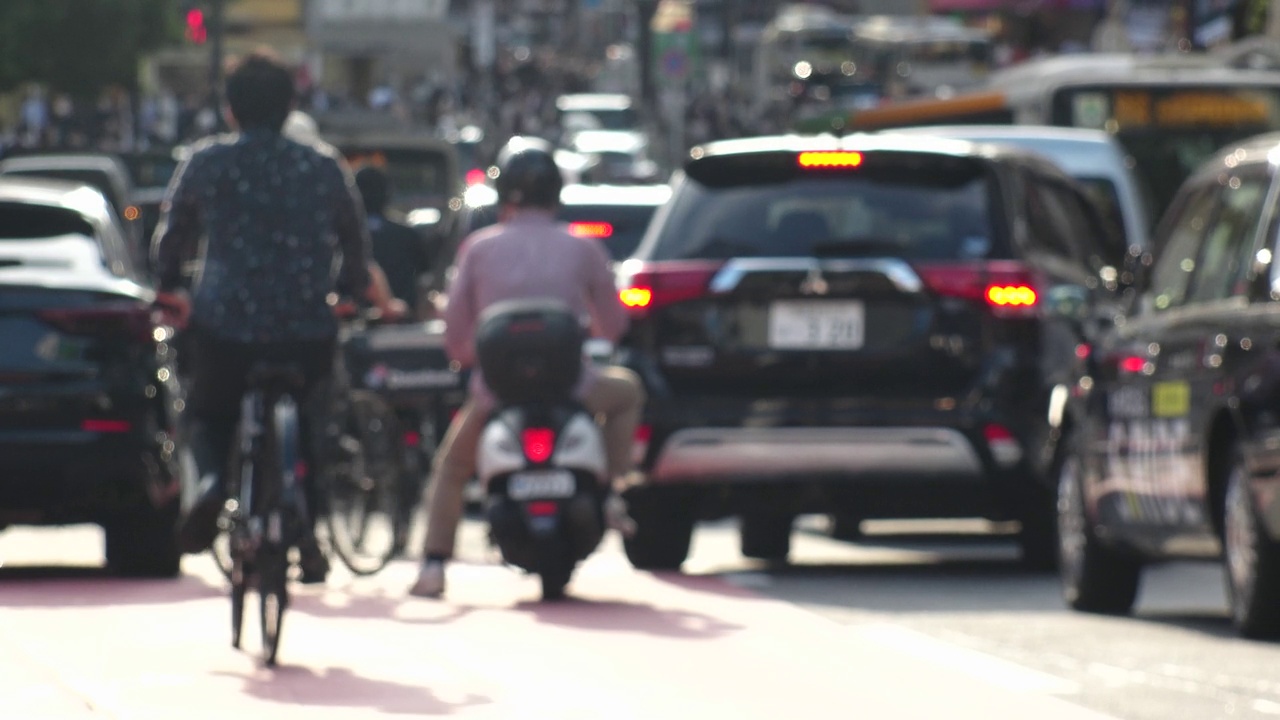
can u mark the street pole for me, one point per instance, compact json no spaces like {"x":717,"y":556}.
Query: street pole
{"x":217,"y":32}
{"x":1273,"y":19}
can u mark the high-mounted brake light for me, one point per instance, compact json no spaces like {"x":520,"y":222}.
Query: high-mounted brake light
{"x":830,"y":159}
{"x":1011,"y":295}
{"x":538,"y":443}
{"x":591,"y":229}
{"x":96,"y":425}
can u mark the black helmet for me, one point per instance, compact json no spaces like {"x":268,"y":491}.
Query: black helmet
{"x":528,"y":176}
{"x":375,"y":188}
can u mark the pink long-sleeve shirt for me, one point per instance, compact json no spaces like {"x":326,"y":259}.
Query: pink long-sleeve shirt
{"x":529,"y":256}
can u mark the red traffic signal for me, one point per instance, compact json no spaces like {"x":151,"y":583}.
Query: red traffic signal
{"x":197,"y":32}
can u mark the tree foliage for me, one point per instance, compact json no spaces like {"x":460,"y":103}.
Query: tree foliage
{"x":81,"y":46}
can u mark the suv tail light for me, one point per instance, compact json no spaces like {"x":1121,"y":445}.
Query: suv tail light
{"x":127,"y":321}
{"x":1004,"y":446}
{"x":538,"y":443}
{"x":643,"y":287}
{"x":1007,"y":288}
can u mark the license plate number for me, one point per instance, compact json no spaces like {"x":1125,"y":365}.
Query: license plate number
{"x":542,"y":484}
{"x":817,"y":325}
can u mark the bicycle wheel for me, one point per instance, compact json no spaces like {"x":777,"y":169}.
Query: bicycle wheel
{"x":362,"y":488}
{"x":273,"y":596}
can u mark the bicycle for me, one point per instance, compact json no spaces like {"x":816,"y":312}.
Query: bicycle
{"x":266,"y":514}
{"x":400,"y":389}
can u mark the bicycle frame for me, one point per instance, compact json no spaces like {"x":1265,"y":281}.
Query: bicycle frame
{"x":266,"y":509}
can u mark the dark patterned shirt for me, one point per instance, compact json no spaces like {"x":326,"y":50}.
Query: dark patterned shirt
{"x":281,"y":230}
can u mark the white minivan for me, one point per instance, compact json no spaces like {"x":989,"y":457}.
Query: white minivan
{"x":1092,"y":157}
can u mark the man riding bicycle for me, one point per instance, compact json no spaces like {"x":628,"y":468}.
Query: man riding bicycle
{"x":275,"y":217}
{"x":527,"y":255}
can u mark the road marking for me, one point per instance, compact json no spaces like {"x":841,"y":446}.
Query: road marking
{"x":988,"y":668}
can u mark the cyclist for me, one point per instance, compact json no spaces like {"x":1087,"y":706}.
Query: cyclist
{"x":274,"y":215}
{"x":398,"y":249}
{"x":527,"y":255}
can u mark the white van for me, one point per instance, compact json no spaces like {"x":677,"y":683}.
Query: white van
{"x":1092,"y":157}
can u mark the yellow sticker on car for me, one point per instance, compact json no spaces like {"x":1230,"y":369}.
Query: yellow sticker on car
{"x":1170,"y":399}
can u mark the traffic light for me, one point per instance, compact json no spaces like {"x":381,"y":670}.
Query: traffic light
{"x":197,"y":32}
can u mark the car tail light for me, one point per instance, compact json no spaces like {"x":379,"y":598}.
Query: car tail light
{"x":591,"y":229}
{"x":132,"y":322}
{"x":538,"y":443}
{"x":1132,"y":364}
{"x":103,"y":425}
{"x":411,"y":438}
{"x":1004,"y":446}
{"x":1006,"y":288}
{"x":475,"y":176}
{"x":643,"y":287}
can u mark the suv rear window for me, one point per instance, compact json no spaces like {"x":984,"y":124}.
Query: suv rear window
{"x":20,"y":221}
{"x":897,"y":206}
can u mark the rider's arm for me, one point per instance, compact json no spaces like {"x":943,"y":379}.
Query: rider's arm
{"x":177,"y":236}
{"x":608,"y":315}
{"x":353,"y":234}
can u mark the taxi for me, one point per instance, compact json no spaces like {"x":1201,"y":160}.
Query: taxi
{"x":1171,"y":436}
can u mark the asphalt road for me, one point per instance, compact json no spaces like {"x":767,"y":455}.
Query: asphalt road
{"x":895,"y":627}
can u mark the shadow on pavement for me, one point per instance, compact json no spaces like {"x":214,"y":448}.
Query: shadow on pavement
{"x":376,"y":607}
{"x":1207,"y":623}
{"x":623,"y":616}
{"x":339,"y":687}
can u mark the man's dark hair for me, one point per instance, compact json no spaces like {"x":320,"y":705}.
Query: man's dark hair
{"x":375,"y":189}
{"x":260,"y":92}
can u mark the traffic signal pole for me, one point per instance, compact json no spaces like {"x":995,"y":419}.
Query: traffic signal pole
{"x":217,"y":31}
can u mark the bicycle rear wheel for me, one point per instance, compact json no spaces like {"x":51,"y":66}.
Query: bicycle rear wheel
{"x":362,"y":488}
{"x":273,"y":596}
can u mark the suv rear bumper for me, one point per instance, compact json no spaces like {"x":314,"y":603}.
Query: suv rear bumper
{"x":736,"y":454}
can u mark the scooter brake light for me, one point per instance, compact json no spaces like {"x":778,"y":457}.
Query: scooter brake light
{"x":542,"y":508}
{"x":538,"y":443}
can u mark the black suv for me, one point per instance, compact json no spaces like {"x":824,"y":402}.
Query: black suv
{"x":1173,"y":439}
{"x":865,"y":327}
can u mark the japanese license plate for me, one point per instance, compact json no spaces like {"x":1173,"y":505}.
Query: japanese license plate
{"x":817,"y":325}
{"x":540,"y":484}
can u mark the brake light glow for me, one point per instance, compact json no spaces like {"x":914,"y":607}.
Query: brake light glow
{"x":643,"y":287}
{"x":1011,"y":295}
{"x":1133,"y":364}
{"x":543,"y":508}
{"x":538,"y":443}
{"x":830,"y":159}
{"x":1004,"y":446}
{"x":476,"y":176}
{"x":1005,"y":287}
{"x":636,"y":297}
{"x":591,"y":229}
{"x":411,"y":438}
{"x":97,"y":425}
{"x":640,"y":445}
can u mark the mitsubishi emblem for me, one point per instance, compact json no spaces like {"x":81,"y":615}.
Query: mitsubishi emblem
{"x":814,"y":283}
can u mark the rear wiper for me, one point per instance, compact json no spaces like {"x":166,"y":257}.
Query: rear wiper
{"x":858,"y":247}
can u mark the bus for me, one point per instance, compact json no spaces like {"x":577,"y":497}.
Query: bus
{"x":1169,"y":112}
{"x":802,"y":44}
{"x":912,"y":56}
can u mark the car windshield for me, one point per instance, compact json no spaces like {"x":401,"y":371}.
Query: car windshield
{"x":21,"y":221}
{"x":913,"y":215}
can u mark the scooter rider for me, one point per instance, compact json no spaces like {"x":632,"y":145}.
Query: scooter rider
{"x":526,"y":255}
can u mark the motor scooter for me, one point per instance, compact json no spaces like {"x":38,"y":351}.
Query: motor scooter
{"x":541,"y":457}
